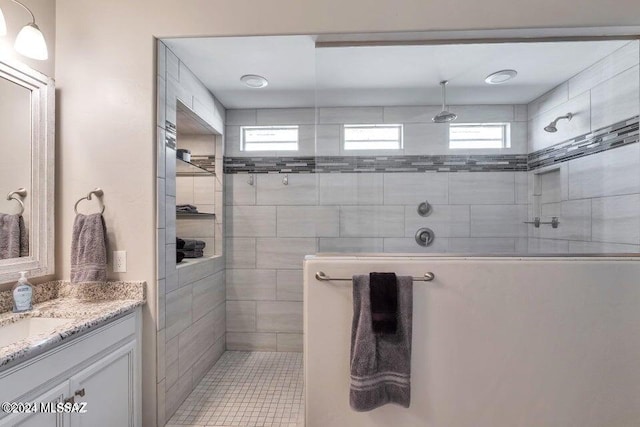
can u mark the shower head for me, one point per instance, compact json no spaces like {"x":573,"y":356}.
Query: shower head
{"x":445,"y":115}
{"x":551,"y":127}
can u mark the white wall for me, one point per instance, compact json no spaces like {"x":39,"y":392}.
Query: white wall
{"x":508,"y":342}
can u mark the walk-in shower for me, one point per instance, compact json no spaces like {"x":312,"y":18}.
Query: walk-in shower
{"x":369,"y":150}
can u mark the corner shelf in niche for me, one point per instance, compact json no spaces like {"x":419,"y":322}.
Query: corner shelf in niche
{"x":184,"y":168}
{"x":199,"y":215}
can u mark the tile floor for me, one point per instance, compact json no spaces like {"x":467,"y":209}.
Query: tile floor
{"x":246,"y":389}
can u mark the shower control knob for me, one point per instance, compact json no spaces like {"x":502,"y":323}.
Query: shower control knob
{"x":425,"y":209}
{"x":425,"y":236}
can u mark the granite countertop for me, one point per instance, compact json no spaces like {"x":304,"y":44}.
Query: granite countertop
{"x":87,"y":306}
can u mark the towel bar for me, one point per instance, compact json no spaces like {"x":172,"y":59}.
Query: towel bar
{"x":428,"y":276}
{"x":98,"y":192}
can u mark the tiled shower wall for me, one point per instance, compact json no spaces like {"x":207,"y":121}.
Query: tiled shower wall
{"x":596,"y":197}
{"x":271,"y":226}
{"x":191,"y":299}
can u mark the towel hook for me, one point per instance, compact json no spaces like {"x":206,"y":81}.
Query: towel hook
{"x":98,"y":193}
{"x":21,"y":193}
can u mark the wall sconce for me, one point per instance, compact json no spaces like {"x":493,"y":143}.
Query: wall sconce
{"x":30,"y":41}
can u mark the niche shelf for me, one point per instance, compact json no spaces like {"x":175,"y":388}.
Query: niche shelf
{"x":199,"y":215}
{"x":184,"y":168}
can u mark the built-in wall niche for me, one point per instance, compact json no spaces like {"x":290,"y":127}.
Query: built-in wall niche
{"x":196,"y":182}
{"x":548,"y":191}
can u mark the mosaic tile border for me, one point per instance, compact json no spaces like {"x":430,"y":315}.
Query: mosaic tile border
{"x":607,"y":138}
{"x":617,"y":135}
{"x":379,"y":164}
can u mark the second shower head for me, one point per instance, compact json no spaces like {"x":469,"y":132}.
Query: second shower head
{"x":551,"y":127}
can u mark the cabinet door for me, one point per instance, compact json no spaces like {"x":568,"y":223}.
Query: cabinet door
{"x":55,"y":395}
{"x":108,"y":388}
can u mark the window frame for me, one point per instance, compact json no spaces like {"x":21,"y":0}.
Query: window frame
{"x":243,"y":142}
{"x":398,"y":126}
{"x":505,"y":140}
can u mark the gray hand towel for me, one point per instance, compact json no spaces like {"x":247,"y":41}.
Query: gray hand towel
{"x":14,"y":238}
{"x":190,"y":245}
{"x":89,"y":249}
{"x":380,"y":363}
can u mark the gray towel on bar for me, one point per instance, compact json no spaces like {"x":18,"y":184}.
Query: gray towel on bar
{"x":89,"y":249}
{"x":14,"y":238}
{"x":380,"y":363}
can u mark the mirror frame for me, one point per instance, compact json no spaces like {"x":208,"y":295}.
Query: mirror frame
{"x":41,"y":259}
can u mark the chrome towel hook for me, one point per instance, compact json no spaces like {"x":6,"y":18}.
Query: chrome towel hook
{"x":98,"y":193}
{"x":21,"y":193}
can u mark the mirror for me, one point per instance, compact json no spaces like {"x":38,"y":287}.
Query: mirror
{"x":26,"y":171}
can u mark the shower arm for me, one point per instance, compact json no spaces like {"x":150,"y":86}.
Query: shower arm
{"x":444,"y":95}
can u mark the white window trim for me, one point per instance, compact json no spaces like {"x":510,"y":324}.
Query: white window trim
{"x":506,"y":136}
{"x":243,"y":143}
{"x":400,"y":142}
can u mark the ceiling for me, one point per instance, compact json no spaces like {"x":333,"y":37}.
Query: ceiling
{"x":302,"y":76}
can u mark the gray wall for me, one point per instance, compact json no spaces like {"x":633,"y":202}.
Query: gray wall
{"x":271,"y":226}
{"x":190,"y":319}
{"x":597,"y":197}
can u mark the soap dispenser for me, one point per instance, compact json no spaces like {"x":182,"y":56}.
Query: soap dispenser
{"x":22,"y":294}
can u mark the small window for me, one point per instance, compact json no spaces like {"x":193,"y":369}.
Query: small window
{"x":269,"y":138}
{"x":479,"y":135}
{"x":372,"y":137}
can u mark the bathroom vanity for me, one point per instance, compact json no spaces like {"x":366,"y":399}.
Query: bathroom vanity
{"x":75,"y":356}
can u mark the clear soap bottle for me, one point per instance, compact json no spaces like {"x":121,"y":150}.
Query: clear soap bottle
{"x":22,"y":294}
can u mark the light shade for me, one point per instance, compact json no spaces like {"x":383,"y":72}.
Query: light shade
{"x":30,"y":43}
{"x":254,"y":81}
{"x":500,"y":77}
{"x":3,"y":24}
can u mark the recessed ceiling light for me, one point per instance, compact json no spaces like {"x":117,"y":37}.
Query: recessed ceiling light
{"x":500,"y":77}
{"x":254,"y":81}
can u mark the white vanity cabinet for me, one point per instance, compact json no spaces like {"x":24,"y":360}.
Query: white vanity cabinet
{"x":99,"y":371}
{"x":56,"y":394}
